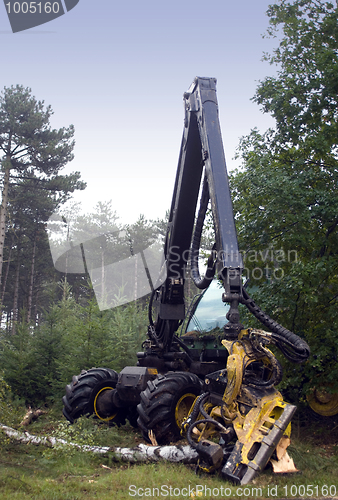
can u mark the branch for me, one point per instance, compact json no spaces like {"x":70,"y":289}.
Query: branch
{"x":31,"y":415}
{"x":16,"y":147}
{"x":25,"y":177}
{"x":28,"y":186}
{"x":277,"y":234}
{"x":17,"y":157}
{"x":295,"y":313}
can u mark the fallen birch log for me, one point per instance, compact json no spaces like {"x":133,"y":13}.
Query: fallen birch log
{"x":141,"y":453}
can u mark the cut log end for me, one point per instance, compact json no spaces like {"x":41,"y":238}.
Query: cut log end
{"x":284,"y":463}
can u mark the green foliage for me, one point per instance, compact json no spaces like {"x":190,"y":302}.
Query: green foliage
{"x":72,"y":334}
{"x":29,"y":360}
{"x":81,"y":433}
{"x":86,"y":431}
{"x":26,"y":136}
{"x":5,"y":400}
{"x":285,"y":195}
{"x":303,"y":96}
{"x":10,"y":409}
{"x":38,"y":362}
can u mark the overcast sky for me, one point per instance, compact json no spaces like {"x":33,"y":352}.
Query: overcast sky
{"x":118,"y":71}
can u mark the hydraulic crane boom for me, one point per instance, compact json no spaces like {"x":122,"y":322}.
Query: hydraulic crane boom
{"x":201,"y":150}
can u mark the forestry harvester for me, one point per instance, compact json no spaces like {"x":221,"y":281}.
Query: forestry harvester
{"x":216,"y":387}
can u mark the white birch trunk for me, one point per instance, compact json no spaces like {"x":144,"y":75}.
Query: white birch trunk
{"x":141,"y":453}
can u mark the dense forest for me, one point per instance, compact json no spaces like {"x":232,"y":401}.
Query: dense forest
{"x":51,"y":324}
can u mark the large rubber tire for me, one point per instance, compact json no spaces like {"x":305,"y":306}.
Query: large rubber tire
{"x":165,"y":403}
{"x":322,"y":402}
{"x":80,"y":398}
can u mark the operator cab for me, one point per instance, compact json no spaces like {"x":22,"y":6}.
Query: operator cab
{"x":203,"y":331}
{"x":207,"y":313}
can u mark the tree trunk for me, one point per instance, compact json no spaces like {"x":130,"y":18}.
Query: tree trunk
{"x":141,"y":453}
{"x":135,"y":285}
{"x":16,"y":290}
{"x":37,"y":319}
{"x":6,"y":276}
{"x":31,"y":282}
{"x":103,"y":290}
{"x":3,"y":215}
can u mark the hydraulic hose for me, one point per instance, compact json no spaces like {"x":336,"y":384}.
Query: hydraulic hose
{"x":190,"y":440}
{"x":198,"y":408}
{"x":150,"y":305}
{"x":295,"y":348}
{"x":204,"y":282}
